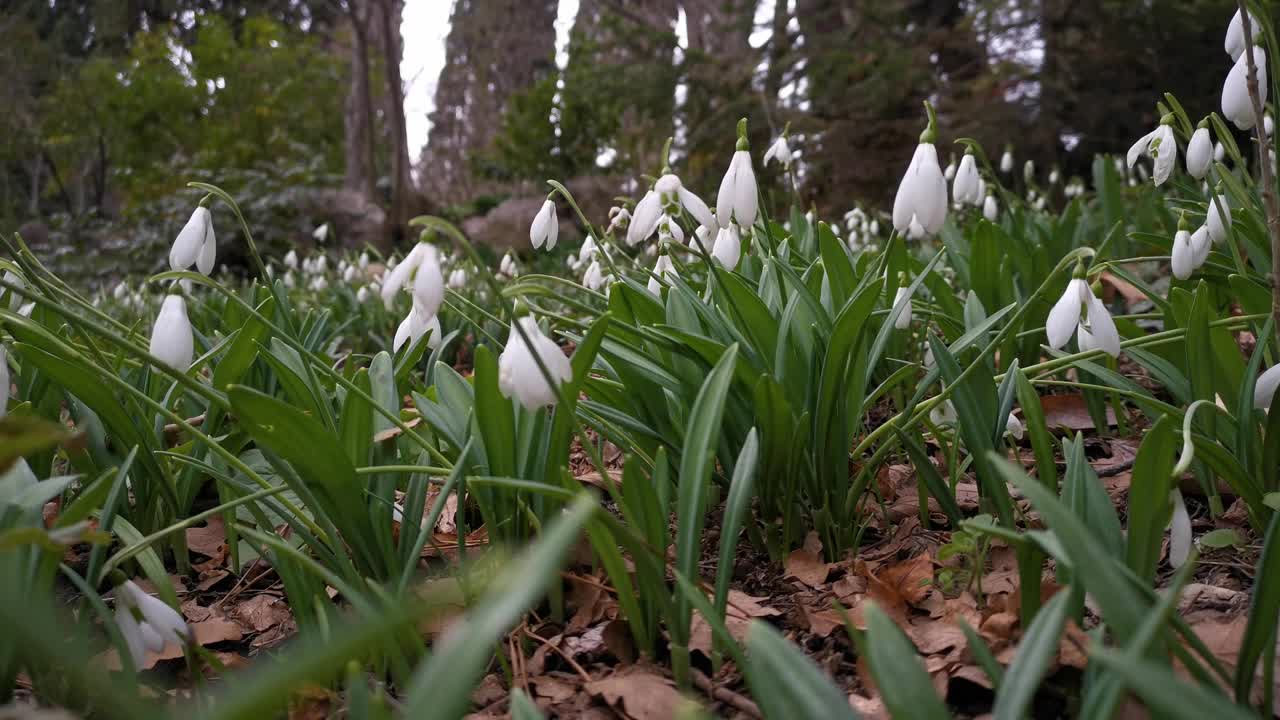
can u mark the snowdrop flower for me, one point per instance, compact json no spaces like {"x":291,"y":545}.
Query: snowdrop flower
{"x":1014,"y":426}
{"x":363,"y":261}
{"x":121,"y":290}
{"x":874,"y":228}
{"x":147,"y":623}
{"x":1200,"y":245}
{"x":458,"y":279}
{"x":395,"y":279}
{"x":1199,"y":151}
{"x":1236,"y":103}
{"x":944,"y":414}
{"x":428,"y":282}
{"x":289,"y":281}
{"x":1264,"y":390}
{"x":702,"y":236}
{"x":414,"y":326}
{"x":195,"y":244}
{"x":588,"y":250}
{"x":950,"y":172}
{"x":668,"y":232}
{"x":728,"y":247}
{"x":1268,"y":125}
{"x":508,"y":266}
{"x":1218,"y":218}
{"x":1182,"y":259}
{"x":320,"y":264}
{"x":1219,"y":152}
{"x":1160,"y":145}
{"x":668,"y":196}
{"x":737,"y":201}
{"x":619,"y":219}
{"x":662,"y":269}
{"x":349,"y":274}
{"x":965,"y":188}
{"x":171,"y":340}
{"x":362,"y":294}
{"x":319,"y":284}
{"x":291,"y":259}
{"x":1234,"y":41}
{"x":990,"y":208}
{"x":4,"y":381}
{"x":321,"y":233}
{"x":1029,"y":170}
{"x":902,"y":300}
{"x":519,"y":374}
{"x":1179,"y":530}
{"x":1006,"y":161}
{"x":1054,"y":176}
{"x":916,"y":230}
{"x":1080,"y":310}
{"x":779,"y":151}
{"x":922,"y":194}
{"x":545,"y":226}
{"x":593,"y":278}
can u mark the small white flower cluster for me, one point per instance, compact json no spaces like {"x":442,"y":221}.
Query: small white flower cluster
{"x":421,"y":272}
{"x":863,"y":229}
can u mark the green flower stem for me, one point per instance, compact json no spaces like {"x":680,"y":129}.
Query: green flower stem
{"x":431,"y":470}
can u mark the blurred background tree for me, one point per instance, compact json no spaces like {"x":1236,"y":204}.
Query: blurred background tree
{"x":297,"y":105}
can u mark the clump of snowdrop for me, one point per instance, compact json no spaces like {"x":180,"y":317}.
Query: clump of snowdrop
{"x":1159,"y":145}
{"x":507,"y":267}
{"x":428,"y":296}
{"x":737,"y":201}
{"x":966,"y":188}
{"x":1233,"y":43}
{"x":619,"y":220}
{"x":519,"y":373}
{"x":195,"y":244}
{"x":147,"y":623}
{"x":545,"y":227}
{"x":1190,"y":250}
{"x":922,"y":195}
{"x":1014,"y":427}
{"x":321,"y":233}
{"x":457,"y":279}
{"x":1079,"y":312}
{"x":668,"y":197}
{"x":779,"y":151}
{"x":728,"y":247}
{"x":1237,"y":106}
{"x":172,"y":341}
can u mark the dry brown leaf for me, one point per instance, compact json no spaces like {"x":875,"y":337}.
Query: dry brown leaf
{"x":805,"y":563}
{"x":639,"y":694}
{"x":552,"y":688}
{"x":869,"y":708}
{"x":907,"y":582}
{"x":489,"y":691}
{"x":822,"y":622}
{"x":262,"y":612}
{"x":207,"y":632}
{"x":1069,"y":411}
{"x":209,"y":540}
{"x":742,"y":608}
{"x":598,"y":480}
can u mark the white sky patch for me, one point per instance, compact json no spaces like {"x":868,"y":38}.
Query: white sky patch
{"x":425,"y":27}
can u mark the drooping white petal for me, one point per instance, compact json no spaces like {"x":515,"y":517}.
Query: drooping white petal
{"x":1182,"y":258}
{"x":922,"y":194}
{"x":1165,"y":153}
{"x":593,"y":278}
{"x":186,"y":248}
{"x":171,"y":339}
{"x":990,"y":208}
{"x":1139,"y":148}
{"x":588,"y":250}
{"x":1200,"y":245}
{"x":661,"y":270}
{"x":698,"y":209}
{"x":902,"y":299}
{"x":1085,"y":339}
{"x":779,"y":151}
{"x":1006,"y":162}
{"x":728,"y":247}
{"x":1102,"y":327}
{"x":1013,"y":426}
{"x":545,"y":226}
{"x":1264,"y":389}
{"x":428,"y":283}
{"x":518,"y":372}
{"x":1179,"y":531}
{"x":208,"y":252}
{"x":1199,"y":153}
{"x":394,"y":281}
{"x":1236,"y":104}
{"x":1233,"y":43}
{"x":131,"y":631}
{"x":162,"y":619}
{"x":645,"y":219}
{"x":1218,"y":222}
{"x":1065,"y":314}
{"x":965,"y":188}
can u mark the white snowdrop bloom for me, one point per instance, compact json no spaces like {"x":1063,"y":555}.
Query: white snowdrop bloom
{"x":991,"y":208}
{"x":593,"y":278}
{"x":1234,"y":41}
{"x":663,"y":269}
{"x":394,"y":280}
{"x":428,"y":282}
{"x":1200,"y":245}
{"x":342,"y":266}
{"x":291,"y":259}
{"x":545,"y":227}
{"x":950,"y":172}
{"x":1028,"y":170}
{"x":320,"y":264}
{"x":728,"y":247}
{"x":414,"y":326}
{"x":902,"y":299}
{"x":702,"y":235}
{"x":944,"y":414}
{"x":195,"y":244}
{"x":588,"y":250}
{"x":916,"y":231}
{"x":349,"y":274}
{"x":390,"y":265}
{"x":171,"y":339}
{"x":1268,"y":125}
{"x":1179,"y":530}
{"x":362,"y":294}
{"x":458,"y":278}
{"x":1219,"y":152}
{"x":1182,"y":259}
{"x":619,"y":219}
{"x":508,"y":266}
{"x":1219,"y":222}
{"x":779,"y":151}
{"x":147,"y":623}
{"x":518,"y":372}
{"x":289,"y":281}
{"x":668,"y":196}
{"x":1199,"y":153}
{"x":668,"y":232}
{"x":4,"y":381}
{"x":1236,"y":104}
{"x":1006,"y":161}
{"x":874,"y":228}
{"x":1054,"y":176}
{"x":319,"y":284}
{"x":1264,"y":389}
{"x":737,"y":201}
{"x":1014,"y":427}
{"x":922,"y":194}
{"x":1159,"y":145}
{"x":1079,"y":309}
{"x":966,"y":186}
{"x":321,"y":233}
{"x":121,"y":290}
{"x":363,"y":261}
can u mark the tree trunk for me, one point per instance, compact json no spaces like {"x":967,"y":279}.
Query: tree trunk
{"x":402,"y":188}
{"x":358,"y":111}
